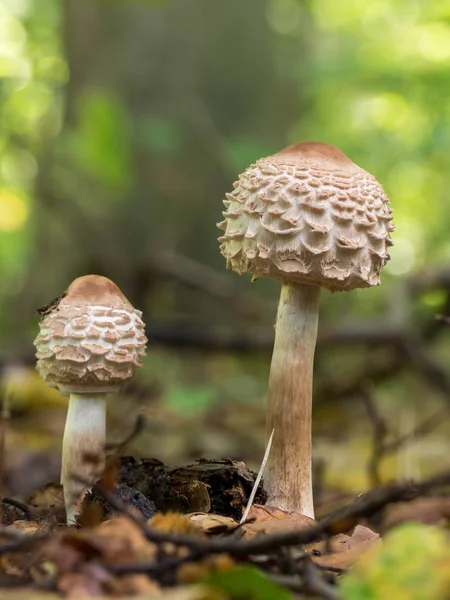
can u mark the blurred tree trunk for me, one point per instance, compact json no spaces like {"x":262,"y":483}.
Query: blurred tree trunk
{"x":204,"y":93}
{"x":209,"y":68}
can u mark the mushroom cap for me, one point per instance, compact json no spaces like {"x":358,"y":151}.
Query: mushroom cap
{"x":308,"y":214}
{"x":92,"y":340}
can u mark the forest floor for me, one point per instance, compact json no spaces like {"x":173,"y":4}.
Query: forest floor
{"x":147,"y":530}
{"x":153,"y":528}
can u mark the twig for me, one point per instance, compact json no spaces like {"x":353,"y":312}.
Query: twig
{"x":365,"y":506}
{"x":27,"y":510}
{"x":23,"y":545}
{"x":426,"y":426}
{"x":418,"y":354}
{"x":195,"y":275}
{"x":316,"y":584}
{"x":434,"y":327}
{"x":14,"y":534}
{"x":169,"y":563}
{"x":258,"y":479}
{"x":332,"y":569}
{"x":184,"y":335}
{"x":380,"y":447}
{"x":20,"y":541}
{"x":380,"y":431}
{"x":299,"y":585}
{"x":138,"y":427}
{"x":443,"y":319}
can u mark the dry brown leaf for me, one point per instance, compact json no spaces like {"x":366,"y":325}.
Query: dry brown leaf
{"x":80,"y":585}
{"x":17,"y":564}
{"x":14,"y":565}
{"x":173,"y":522}
{"x":62,"y":555}
{"x":91,"y":545}
{"x":430,"y":511}
{"x":211,"y":524}
{"x":8,"y":567}
{"x":122,"y":530}
{"x":48,"y":497}
{"x":118,"y":541}
{"x":91,"y":514}
{"x":269,"y":519}
{"x":26,"y":527}
{"x":128,"y":585}
{"x":139,"y":584}
{"x":110,"y":474}
{"x":342,"y":550}
{"x":80,"y":577}
{"x":262,"y":513}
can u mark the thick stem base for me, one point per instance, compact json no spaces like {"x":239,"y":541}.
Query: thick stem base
{"x":83,"y":453}
{"x":288,"y":474}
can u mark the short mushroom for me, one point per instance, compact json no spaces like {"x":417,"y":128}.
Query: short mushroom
{"x":91,"y":341}
{"x":311,"y":217}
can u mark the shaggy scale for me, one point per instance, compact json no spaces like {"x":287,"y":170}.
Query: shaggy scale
{"x":298,"y":217}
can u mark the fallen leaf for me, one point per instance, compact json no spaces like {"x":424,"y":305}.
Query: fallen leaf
{"x":25,"y":527}
{"x":110,"y":473}
{"x":173,"y":522}
{"x":268,"y":513}
{"x":79,"y":585}
{"x":49,"y":497}
{"x":342,"y":550}
{"x":122,"y":529}
{"x":118,"y":541}
{"x":138,"y":584}
{"x":213,"y":524}
{"x":91,"y":514}
{"x":269,"y":519}
{"x":94,"y":580}
{"x":62,"y":555}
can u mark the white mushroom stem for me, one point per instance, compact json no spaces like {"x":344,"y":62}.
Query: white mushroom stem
{"x":83,"y":453}
{"x":288,"y":479}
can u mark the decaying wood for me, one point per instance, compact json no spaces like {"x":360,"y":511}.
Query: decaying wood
{"x":220,"y":486}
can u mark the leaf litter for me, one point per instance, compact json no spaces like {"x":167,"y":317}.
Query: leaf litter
{"x":119,"y":550}
{"x":150,"y":531}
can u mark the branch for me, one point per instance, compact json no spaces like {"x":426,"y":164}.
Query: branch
{"x":201,"y":277}
{"x":341,"y":519}
{"x":380,"y":431}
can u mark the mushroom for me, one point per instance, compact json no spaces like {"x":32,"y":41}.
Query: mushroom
{"x":91,"y":341}
{"x":311,"y":217}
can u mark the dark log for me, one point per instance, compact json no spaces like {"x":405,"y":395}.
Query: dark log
{"x":219,"y":486}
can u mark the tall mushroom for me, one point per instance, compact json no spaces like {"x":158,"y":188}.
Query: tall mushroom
{"x":91,"y":341}
{"x":311,"y":217}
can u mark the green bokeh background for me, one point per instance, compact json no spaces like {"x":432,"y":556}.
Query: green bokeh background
{"x":123,"y":124}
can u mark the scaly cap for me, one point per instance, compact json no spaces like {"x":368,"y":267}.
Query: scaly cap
{"x":311,"y":215}
{"x":92,"y":340}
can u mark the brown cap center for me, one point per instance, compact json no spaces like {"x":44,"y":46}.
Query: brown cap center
{"x":316,"y":152}
{"x":91,"y":290}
